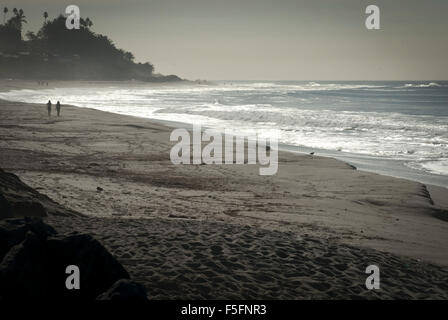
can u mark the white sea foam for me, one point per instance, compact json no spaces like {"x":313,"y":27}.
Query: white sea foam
{"x":374,"y":119}
{"x":422,"y":85}
{"x":439,"y":166}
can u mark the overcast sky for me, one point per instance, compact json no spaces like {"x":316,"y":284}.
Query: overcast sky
{"x":270,"y":39}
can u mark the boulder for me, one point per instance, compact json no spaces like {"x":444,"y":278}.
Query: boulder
{"x":35,"y":258}
{"x":99,"y":270}
{"x":13,"y":232}
{"x":5,"y":207}
{"x":23,"y":270}
{"x":20,"y":200}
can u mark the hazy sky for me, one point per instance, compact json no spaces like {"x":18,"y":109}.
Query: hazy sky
{"x":270,"y":39}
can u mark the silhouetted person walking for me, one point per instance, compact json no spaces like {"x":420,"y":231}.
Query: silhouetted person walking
{"x":58,"y":108}
{"x":49,"y":108}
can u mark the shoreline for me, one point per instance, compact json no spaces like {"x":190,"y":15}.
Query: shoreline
{"x":438,"y":189}
{"x":367,"y":163}
{"x":364,"y":162}
{"x":336,"y":170}
{"x":172,"y":226}
{"x":31,"y":84}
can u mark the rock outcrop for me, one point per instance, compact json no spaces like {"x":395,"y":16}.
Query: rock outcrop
{"x":20,"y":200}
{"x":34,"y":259}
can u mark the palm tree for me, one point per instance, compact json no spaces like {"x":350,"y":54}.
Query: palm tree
{"x":18,"y":19}
{"x":21,"y":16}
{"x":45,"y":16}
{"x":89,"y":22}
{"x":129,"y":56}
{"x":5,"y":12}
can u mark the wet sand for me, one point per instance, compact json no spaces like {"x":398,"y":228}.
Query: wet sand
{"x":223,"y":231}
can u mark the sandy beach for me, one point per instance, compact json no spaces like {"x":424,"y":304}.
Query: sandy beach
{"x":223,"y":231}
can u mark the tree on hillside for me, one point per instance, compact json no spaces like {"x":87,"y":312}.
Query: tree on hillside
{"x":83,"y":42}
{"x":5,"y":12}
{"x":45,"y":16}
{"x":89,"y":22}
{"x":11,"y":32}
{"x":129,"y":56}
{"x":147,"y":67}
{"x":55,"y":52}
{"x":17,"y":21}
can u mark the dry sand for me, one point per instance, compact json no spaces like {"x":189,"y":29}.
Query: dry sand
{"x":209,"y":231}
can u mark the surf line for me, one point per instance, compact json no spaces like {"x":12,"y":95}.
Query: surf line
{"x":258,"y":148}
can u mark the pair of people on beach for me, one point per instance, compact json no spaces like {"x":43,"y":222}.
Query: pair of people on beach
{"x":58,"y":108}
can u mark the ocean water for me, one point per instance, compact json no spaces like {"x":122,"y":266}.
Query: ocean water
{"x":395,"y":128}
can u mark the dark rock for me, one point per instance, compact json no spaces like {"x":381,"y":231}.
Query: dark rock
{"x":13,"y":232}
{"x":23,"y":271}
{"x":20,"y":200}
{"x":16,"y":198}
{"x":28,"y":208}
{"x":33,"y":258}
{"x":99,"y":270}
{"x":125,"y":290}
{"x":5,"y":208}
{"x":34,"y":261}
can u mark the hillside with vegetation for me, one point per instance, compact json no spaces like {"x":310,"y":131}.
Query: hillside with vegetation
{"x":54,"y":52}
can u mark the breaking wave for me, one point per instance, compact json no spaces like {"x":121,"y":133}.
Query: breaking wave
{"x":384,"y":119}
